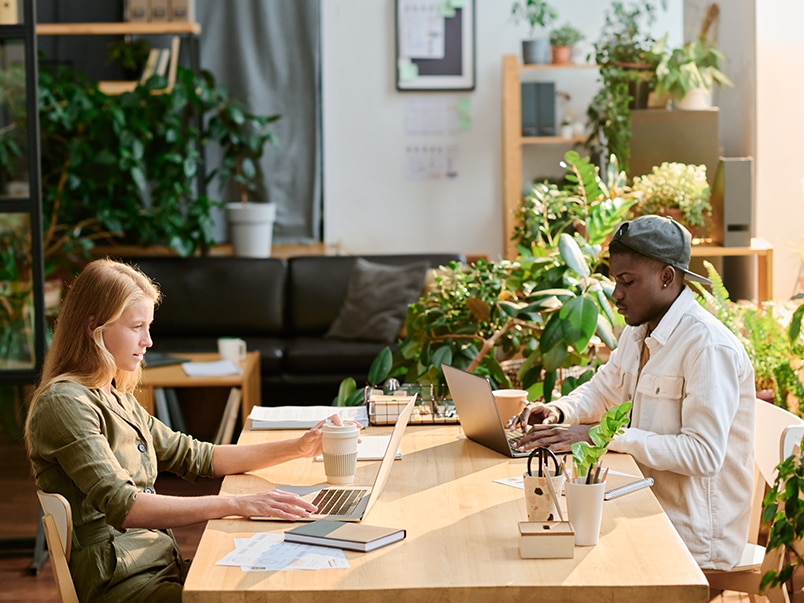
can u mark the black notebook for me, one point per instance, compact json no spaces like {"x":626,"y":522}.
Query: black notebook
{"x":344,"y":535}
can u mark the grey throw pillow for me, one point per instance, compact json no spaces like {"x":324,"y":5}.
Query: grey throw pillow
{"x":377,"y":300}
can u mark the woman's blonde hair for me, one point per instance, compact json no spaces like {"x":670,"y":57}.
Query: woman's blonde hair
{"x":97,"y":298}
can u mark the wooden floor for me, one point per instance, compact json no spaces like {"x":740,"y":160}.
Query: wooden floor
{"x":19,"y":517}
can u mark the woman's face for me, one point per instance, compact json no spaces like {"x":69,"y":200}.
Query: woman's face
{"x":129,"y":336}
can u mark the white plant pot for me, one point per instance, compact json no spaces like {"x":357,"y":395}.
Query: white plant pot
{"x":251,"y":228}
{"x":696,"y":100}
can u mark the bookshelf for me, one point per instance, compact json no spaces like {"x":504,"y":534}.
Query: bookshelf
{"x":512,"y":140}
{"x":178,"y":29}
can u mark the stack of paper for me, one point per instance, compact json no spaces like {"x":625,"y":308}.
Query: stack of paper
{"x":266,"y":552}
{"x":303,"y":417}
{"x":216,"y":368}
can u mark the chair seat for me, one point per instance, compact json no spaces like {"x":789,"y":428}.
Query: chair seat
{"x":751,"y":559}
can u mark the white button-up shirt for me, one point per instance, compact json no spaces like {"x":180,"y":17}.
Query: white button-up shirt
{"x":692,"y":424}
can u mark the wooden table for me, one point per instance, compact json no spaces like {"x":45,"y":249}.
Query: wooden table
{"x":462,"y":538}
{"x":174,"y":376}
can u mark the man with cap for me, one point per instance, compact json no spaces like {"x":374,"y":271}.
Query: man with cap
{"x":692,"y":388}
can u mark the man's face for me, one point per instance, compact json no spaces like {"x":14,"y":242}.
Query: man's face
{"x":638,"y":292}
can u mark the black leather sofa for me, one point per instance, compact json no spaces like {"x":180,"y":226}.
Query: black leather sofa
{"x":281,"y":307}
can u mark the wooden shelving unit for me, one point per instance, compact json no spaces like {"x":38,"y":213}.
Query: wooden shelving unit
{"x":186,"y":29}
{"x":513,"y":141}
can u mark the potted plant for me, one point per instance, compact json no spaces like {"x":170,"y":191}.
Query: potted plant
{"x":679,"y":190}
{"x":688,"y":74}
{"x":562,"y":39}
{"x":242,"y":136}
{"x":585,"y":456}
{"x":541,"y":311}
{"x":538,"y":14}
{"x":627,"y":62}
{"x":130,"y":55}
{"x":586,"y":487}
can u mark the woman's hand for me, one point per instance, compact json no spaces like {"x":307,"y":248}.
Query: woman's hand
{"x":310,"y":443}
{"x":275,"y":503}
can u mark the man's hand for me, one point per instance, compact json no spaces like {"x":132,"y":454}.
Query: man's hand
{"x":532,"y":414}
{"x":556,"y":437}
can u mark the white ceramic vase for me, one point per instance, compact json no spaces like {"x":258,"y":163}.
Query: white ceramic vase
{"x":697,"y":99}
{"x":251,"y":228}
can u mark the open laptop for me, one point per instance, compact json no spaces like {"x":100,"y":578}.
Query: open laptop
{"x":478,"y":412}
{"x":352,"y":502}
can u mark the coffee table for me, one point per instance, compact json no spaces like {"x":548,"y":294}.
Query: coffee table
{"x":248,"y":381}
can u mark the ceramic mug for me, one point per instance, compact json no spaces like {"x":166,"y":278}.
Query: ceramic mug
{"x":232,"y":348}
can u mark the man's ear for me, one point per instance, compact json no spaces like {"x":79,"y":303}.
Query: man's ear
{"x":668,"y":276}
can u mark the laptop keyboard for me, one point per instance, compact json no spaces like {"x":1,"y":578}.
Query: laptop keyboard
{"x":332,"y":501}
{"x":513,"y":436}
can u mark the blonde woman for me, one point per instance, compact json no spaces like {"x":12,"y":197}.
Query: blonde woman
{"x":89,"y":440}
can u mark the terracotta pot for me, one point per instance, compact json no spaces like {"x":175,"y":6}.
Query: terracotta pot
{"x":561,"y":54}
{"x":675,"y":213}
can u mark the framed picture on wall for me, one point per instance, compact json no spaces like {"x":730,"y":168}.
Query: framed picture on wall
{"x":435,"y":45}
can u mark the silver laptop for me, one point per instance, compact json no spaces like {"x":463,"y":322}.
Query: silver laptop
{"x":478,"y":412}
{"x":352,"y":502}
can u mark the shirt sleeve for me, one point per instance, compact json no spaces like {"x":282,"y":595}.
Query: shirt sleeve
{"x":177,"y":453}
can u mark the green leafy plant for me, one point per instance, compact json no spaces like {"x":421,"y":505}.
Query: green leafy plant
{"x":130,"y":55}
{"x":586,"y":455}
{"x":126,"y":168}
{"x":694,"y":65}
{"x":243,"y":137}
{"x":349,"y":395}
{"x":544,"y":309}
{"x":566,"y":35}
{"x":673,"y":185}
{"x":536,"y":13}
{"x":770,"y":333}
{"x":625,"y":57}
{"x":783,"y":512}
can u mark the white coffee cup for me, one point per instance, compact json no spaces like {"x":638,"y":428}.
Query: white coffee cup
{"x":340,"y":452}
{"x":232,"y":348}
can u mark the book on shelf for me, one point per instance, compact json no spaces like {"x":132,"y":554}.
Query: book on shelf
{"x":150,"y":65}
{"x":162,"y":62}
{"x":344,"y":535}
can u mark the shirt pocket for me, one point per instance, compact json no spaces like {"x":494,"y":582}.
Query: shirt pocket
{"x":663,"y":387}
{"x":659,"y":401}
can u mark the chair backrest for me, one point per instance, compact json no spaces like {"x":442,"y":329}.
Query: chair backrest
{"x":770,"y":423}
{"x":58,"y":523}
{"x":791,"y":440}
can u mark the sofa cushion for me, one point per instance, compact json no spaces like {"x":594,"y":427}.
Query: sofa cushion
{"x":315,"y":356}
{"x":317,"y":286}
{"x":377,"y":300}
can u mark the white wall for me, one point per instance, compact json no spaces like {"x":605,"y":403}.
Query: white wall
{"x":780,"y":130}
{"x":369,"y":205}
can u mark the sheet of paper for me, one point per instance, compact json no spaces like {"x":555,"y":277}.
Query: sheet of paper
{"x":371,"y":448}
{"x":268,"y":552}
{"x":303,"y":417}
{"x":216,"y":368}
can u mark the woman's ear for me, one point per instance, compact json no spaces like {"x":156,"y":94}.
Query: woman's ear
{"x":90,"y":325}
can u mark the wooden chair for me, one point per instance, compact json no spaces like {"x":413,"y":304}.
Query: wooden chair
{"x":774,"y":428}
{"x":58,"y":523}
